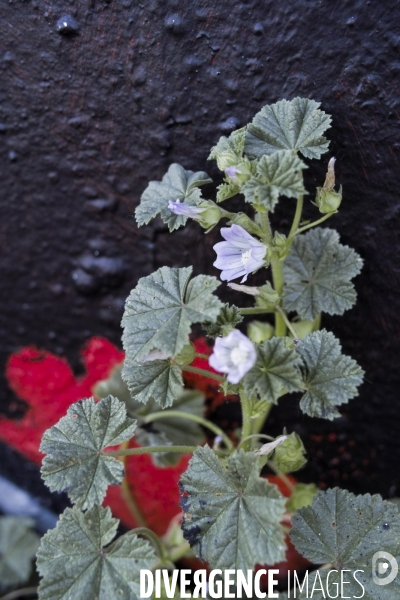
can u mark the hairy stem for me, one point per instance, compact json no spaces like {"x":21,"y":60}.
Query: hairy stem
{"x":297,"y":217}
{"x":152,"y":450}
{"x":287,"y":322}
{"x":277,"y":276}
{"x":313,"y":224}
{"x":277,"y":273}
{"x":177,"y":414}
{"x":253,"y":311}
{"x":155,"y":540}
{"x":203,"y":373}
{"x":317,"y":322}
{"x":262,"y":436}
{"x":199,"y":355}
{"x":281,"y":475}
{"x":247,"y":429}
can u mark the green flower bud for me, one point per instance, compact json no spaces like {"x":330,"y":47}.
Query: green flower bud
{"x":210,"y":215}
{"x":268,"y":297}
{"x":302,"y":495}
{"x":302,"y":328}
{"x":290,"y":455}
{"x":186,"y":355}
{"x":258,"y":331}
{"x":327,"y":200}
{"x":279,"y":243}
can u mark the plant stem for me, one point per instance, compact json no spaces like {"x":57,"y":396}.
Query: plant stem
{"x":287,"y":322}
{"x":297,"y":217}
{"x":127,"y":494}
{"x":199,"y":355}
{"x":277,"y":273}
{"x":177,"y":414}
{"x":157,"y":543}
{"x":321,"y":220}
{"x":317,"y":322}
{"x":281,"y":475}
{"x":203,"y":373}
{"x":247,"y":429}
{"x":256,"y":435}
{"x":253,"y":311}
{"x":277,"y":276}
{"x":15,"y":594}
{"x":152,"y":450}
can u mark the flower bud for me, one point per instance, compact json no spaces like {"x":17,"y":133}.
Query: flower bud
{"x":327,"y":199}
{"x":268,"y":297}
{"x":301,"y":496}
{"x":186,"y":355}
{"x":210,"y":214}
{"x":239,"y":173}
{"x":258,"y":331}
{"x":290,"y":455}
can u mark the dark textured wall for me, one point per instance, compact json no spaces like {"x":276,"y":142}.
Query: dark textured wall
{"x":89,"y":112}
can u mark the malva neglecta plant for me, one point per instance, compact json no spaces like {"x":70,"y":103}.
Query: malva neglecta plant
{"x":233,"y":517}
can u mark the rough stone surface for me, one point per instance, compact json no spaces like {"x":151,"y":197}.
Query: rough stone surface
{"x":87,"y":120}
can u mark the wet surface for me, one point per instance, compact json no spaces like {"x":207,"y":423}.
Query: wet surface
{"x":87,"y":120}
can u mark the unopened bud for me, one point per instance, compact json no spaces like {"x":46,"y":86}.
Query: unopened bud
{"x":259,"y":331}
{"x":327,"y":200}
{"x":290,"y":455}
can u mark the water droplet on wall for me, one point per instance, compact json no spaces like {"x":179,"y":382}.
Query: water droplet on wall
{"x":67,"y":25}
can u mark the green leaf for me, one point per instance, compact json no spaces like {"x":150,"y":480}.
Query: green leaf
{"x":158,"y":380}
{"x":76,"y":562}
{"x":177,"y":184}
{"x":229,"y":151}
{"x":18,"y":545}
{"x":180,"y":432}
{"x":226,"y":322}
{"x":275,"y":372}
{"x":231,"y":515}
{"x":74,"y":447}
{"x":160,"y":310}
{"x":297,"y":124}
{"x":227,"y":190}
{"x":277,"y":174}
{"x":330,"y":377}
{"x":345,"y":531}
{"x":318,"y":273}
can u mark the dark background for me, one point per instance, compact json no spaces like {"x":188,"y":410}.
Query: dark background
{"x":88,"y":118}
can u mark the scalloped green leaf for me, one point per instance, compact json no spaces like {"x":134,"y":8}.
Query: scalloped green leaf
{"x":229,"y":151}
{"x":297,"y":124}
{"x":279,"y":174}
{"x":177,"y":184}
{"x":79,"y":559}
{"x":231,"y":515}
{"x":74,"y":459}
{"x":18,"y":545}
{"x":159,"y":312}
{"x":226,"y":322}
{"x":330,"y":377}
{"x":275,"y":373}
{"x":177,"y":431}
{"x":318,"y":273}
{"x":158,"y":380}
{"x":346,"y":531}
